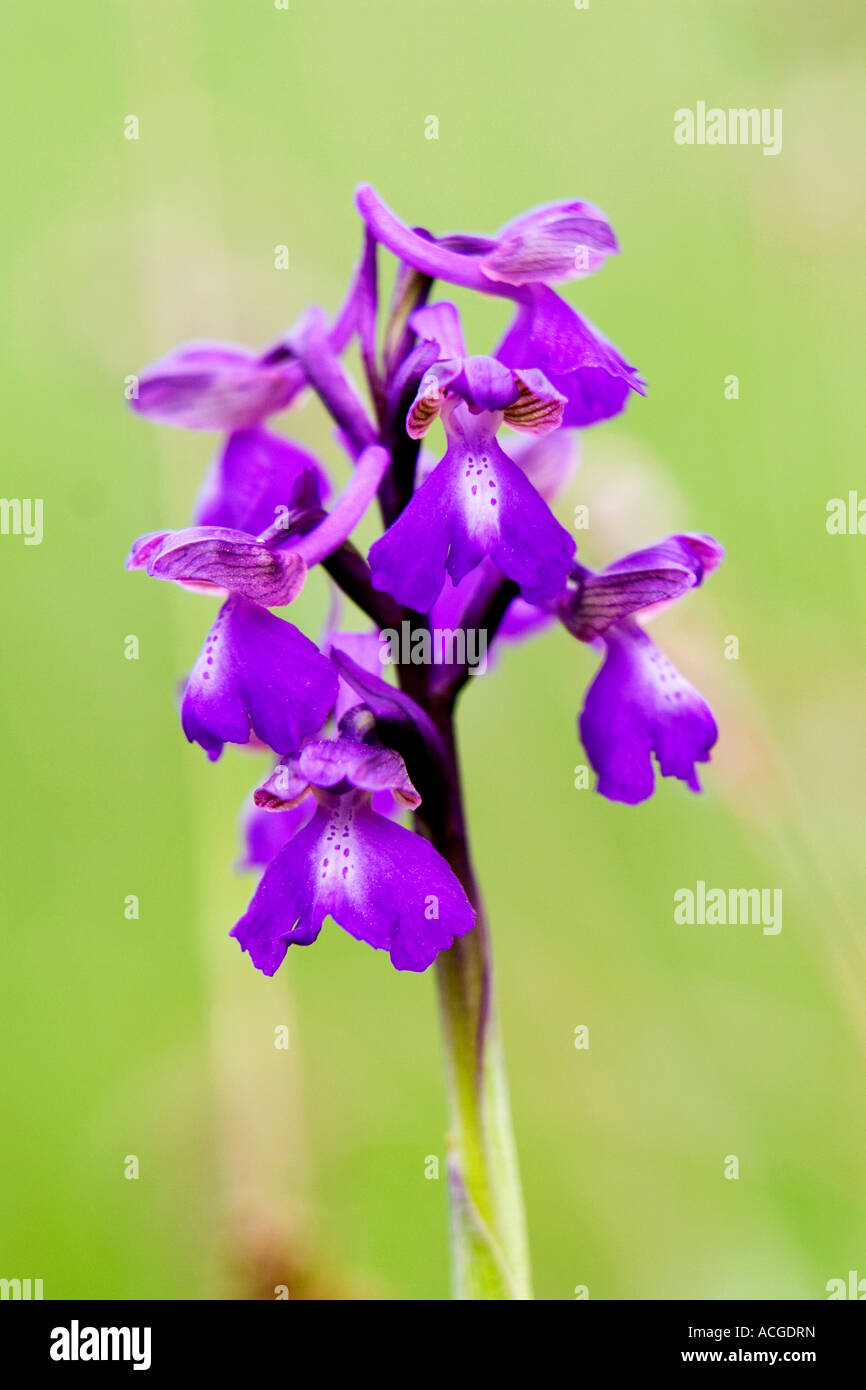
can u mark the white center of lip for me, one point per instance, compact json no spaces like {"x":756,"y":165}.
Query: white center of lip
{"x":479,"y":487}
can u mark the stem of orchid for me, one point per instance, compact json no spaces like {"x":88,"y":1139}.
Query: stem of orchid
{"x":490,"y":1251}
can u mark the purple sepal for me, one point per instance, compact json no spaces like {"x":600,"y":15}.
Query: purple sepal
{"x":642,"y":580}
{"x":215,"y":386}
{"x":214,"y":557}
{"x":143,"y":547}
{"x":524,"y":396}
{"x":251,"y":484}
{"x":339,"y":764}
{"x":574,"y":357}
{"x":556,"y":243}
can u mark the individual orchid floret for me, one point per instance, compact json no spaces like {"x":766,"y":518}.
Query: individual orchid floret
{"x":476,"y":502}
{"x":382,"y":883}
{"x":519,"y":263}
{"x":639,"y":704}
{"x":216,"y":386}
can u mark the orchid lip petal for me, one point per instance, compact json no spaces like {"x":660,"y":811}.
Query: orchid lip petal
{"x":639,"y":706}
{"x":256,"y":675}
{"x":374,"y":878}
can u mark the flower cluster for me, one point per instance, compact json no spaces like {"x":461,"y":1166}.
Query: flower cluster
{"x":469,"y":542}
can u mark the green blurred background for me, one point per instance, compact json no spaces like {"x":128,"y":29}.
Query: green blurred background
{"x":154,"y":1037}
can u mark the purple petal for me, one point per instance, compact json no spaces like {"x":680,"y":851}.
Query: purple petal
{"x":639,"y":704}
{"x":539,"y":407}
{"x":486,"y":384}
{"x":430,"y":396}
{"x":284,"y":789}
{"x":476,"y":502}
{"x":559,"y":242}
{"x":383,"y":884}
{"x":256,"y":674}
{"x":326,"y":763}
{"x":694,"y":551}
{"x":574,"y":357}
{"x":251,"y":482}
{"x":440,"y":324}
{"x":214,"y":386}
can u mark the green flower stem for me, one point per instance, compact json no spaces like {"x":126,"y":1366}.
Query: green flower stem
{"x":488,"y":1226}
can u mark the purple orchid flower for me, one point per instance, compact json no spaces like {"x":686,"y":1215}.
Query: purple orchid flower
{"x":562,"y":241}
{"x":469,"y":545}
{"x":639,"y":704}
{"x":257,"y":674}
{"x":383,"y":884}
{"x":477,"y":501}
